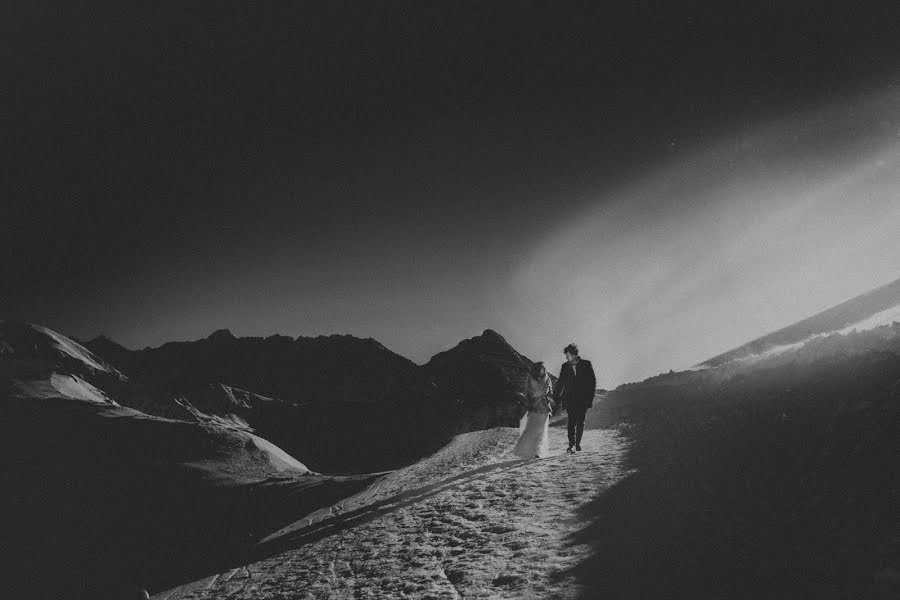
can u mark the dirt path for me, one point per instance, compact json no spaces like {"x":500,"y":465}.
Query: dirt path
{"x":469,"y":522}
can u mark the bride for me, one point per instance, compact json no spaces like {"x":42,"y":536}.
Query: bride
{"x":534,"y":426}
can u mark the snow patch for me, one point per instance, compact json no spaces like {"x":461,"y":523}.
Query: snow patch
{"x":885,"y":317}
{"x":73,"y":349}
{"x":72,"y":386}
{"x":67,"y":386}
{"x":277,"y":457}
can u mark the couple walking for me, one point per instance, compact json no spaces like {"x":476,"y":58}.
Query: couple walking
{"x":574,"y":390}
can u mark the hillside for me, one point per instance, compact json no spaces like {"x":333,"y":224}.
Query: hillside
{"x":100,"y":498}
{"x":876,"y":307}
{"x":468,"y":521}
{"x":777,"y":474}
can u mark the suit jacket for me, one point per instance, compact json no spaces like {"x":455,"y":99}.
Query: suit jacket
{"x":575,"y":387}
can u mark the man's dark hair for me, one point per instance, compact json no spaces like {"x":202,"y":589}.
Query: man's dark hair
{"x":571,"y":349}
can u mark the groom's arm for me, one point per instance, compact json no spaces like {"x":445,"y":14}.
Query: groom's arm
{"x":559,"y":392}
{"x":592,"y":379}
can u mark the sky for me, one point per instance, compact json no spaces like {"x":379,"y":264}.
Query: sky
{"x":658,"y":183}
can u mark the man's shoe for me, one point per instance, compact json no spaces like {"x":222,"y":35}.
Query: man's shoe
{"x":578,"y":447}
{"x":570,"y":450}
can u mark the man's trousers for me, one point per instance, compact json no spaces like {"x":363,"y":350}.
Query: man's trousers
{"x":576,"y":424}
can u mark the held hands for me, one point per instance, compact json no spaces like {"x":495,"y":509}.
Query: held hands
{"x":520,"y":404}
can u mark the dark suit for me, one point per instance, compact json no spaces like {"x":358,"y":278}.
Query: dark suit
{"x":575,"y":390}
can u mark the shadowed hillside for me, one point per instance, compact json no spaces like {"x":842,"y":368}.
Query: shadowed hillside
{"x":774,"y":479}
{"x":99,"y":499}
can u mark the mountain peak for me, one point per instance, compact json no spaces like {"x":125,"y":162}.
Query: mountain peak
{"x":103,"y":341}
{"x":489,"y":342}
{"x":483,"y":373}
{"x":489,"y":335}
{"x":221,"y":335}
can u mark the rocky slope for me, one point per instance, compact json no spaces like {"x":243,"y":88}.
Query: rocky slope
{"x":482,"y":374}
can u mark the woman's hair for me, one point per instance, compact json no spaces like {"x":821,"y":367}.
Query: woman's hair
{"x":538,"y":370}
{"x":571,"y":349}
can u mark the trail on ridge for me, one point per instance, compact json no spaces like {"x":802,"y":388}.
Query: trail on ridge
{"x":471,"y":521}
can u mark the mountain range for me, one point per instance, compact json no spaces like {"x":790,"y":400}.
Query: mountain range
{"x":324,"y":397}
{"x":154,"y":465}
{"x":122,"y":465}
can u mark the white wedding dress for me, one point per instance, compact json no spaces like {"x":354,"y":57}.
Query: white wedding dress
{"x":534,"y":427}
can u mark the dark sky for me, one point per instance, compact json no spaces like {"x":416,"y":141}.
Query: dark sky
{"x":387,"y":169}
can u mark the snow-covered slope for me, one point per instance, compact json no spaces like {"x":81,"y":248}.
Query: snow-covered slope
{"x":41,"y":365}
{"x":27,"y":349}
{"x":469,"y":521}
{"x":100,"y":497}
{"x":58,"y":385}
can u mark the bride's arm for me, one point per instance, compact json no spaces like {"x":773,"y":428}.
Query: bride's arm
{"x":551,"y":405}
{"x":527,"y":393}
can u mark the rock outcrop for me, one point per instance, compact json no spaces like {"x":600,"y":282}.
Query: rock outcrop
{"x":483,"y":375}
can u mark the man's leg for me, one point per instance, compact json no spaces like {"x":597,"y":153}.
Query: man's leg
{"x":572,"y":414}
{"x":579,"y":430}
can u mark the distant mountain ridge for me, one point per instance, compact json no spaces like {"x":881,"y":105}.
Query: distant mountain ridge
{"x":297,"y":370}
{"x":312,"y":395}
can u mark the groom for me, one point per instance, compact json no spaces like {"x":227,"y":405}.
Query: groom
{"x":575,"y":389}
